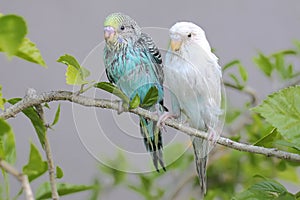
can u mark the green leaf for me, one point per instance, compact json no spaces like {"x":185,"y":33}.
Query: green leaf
{"x":231,"y":64}
{"x":35,"y":166}
{"x":35,"y":119}
{"x":75,"y":74}
{"x":56,"y":118}
{"x":269,"y":186}
{"x":69,"y":60}
{"x":44,"y":190}
{"x":108,"y":87}
{"x":150,"y":98}
{"x":297,"y":44}
{"x":12,"y":32}
{"x":95,"y":194}
{"x":269,"y":138}
{"x":282,"y":110}
{"x":243,"y":73}
{"x":264,"y":64}
{"x":279,"y":62}
{"x":236,"y":81}
{"x":287,"y":144}
{"x":7,"y":142}
{"x":232,"y":115}
{"x":46,"y":105}
{"x":28,"y":51}
{"x":59,"y":172}
{"x":2,"y":100}
{"x":265,"y":190}
{"x":135,"y":102}
{"x":74,"y":77}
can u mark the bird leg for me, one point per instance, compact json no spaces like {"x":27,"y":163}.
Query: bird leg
{"x":163,"y":117}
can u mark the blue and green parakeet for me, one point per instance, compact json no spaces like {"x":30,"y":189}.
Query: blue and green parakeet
{"x":194,"y":78}
{"x":133,"y":63}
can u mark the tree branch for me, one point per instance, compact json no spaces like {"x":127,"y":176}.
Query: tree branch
{"x":20,"y":176}
{"x":51,"y":168}
{"x":247,"y":90}
{"x":90,"y":102}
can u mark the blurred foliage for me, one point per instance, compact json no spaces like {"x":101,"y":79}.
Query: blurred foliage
{"x":231,"y":174}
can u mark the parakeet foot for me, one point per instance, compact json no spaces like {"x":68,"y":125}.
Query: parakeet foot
{"x":162,"y":118}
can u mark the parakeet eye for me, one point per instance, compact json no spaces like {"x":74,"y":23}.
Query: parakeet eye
{"x":189,"y":35}
{"x":122,"y":27}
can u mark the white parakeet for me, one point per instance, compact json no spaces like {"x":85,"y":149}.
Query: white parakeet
{"x":194,"y":78}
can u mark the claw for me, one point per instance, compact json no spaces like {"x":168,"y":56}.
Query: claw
{"x":162,"y":118}
{"x":120,"y":107}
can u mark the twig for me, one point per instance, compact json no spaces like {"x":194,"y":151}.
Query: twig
{"x":90,"y":102}
{"x":247,"y":90}
{"x":51,"y":167}
{"x":20,"y":176}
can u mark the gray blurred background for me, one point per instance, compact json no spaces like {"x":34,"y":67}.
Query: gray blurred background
{"x":235,"y":28}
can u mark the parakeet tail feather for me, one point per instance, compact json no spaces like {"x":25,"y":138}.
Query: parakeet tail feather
{"x":153,"y":141}
{"x":201,"y":158}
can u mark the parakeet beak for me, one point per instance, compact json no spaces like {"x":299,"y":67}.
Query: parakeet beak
{"x":175,"y":45}
{"x":109,"y":33}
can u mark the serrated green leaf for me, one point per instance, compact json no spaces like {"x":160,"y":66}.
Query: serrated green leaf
{"x":7,"y":142}
{"x":135,"y":102}
{"x":75,"y":74}
{"x":28,"y":51}
{"x":243,"y":72}
{"x":44,"y":190}
{"x":282,"y":110}
{"x":2,"y":100}
{"x":35,"y":166}
{"x":150,"y":98}
{"x":69,"y":60}
{"x":59,"y":172}
{"x":35,"y":119}
{"x":108,"y":87}
{"x":56,"y":118}
{"x":230,"y":64}
{"x":264,"y":64}
{"x":12,"y":32}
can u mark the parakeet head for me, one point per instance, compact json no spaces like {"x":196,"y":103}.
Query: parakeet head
{"x":120,"y":28}
{"x":184,"y":34}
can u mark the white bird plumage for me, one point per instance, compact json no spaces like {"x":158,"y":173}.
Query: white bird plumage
{"x":194,"y":77}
